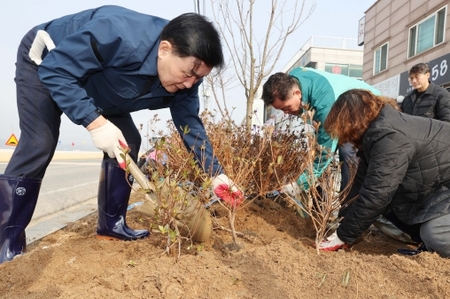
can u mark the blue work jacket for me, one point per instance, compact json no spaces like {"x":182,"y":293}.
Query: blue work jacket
{"x":105,"y":61}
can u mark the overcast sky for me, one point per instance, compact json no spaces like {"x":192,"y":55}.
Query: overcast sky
{"x":337,"y":18}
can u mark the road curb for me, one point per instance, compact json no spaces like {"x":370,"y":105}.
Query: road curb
{"x":46,"y":225}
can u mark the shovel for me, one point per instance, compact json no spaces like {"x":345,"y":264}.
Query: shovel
{"x":194,"y":221}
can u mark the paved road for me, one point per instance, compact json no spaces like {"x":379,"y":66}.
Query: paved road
{"x":68,"y":193}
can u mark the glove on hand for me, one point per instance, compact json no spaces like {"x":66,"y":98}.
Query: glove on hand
{"x":109,"y":139}
{"x":223,"y":179}
{"x":332,"y":243}
{"x":292,"y":189}
{"x":222,"y":182}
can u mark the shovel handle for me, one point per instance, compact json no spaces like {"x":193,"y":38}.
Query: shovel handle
{"x":138,"y":175}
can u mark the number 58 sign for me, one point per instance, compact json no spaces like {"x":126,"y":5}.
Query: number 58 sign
{"x":438,"y":70}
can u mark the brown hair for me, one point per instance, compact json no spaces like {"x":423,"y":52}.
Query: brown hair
{"x":420,"y":68}
{"x":352,"y":113}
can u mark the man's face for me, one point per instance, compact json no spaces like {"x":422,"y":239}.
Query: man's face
{"x":292,"y":105}
{"x":419,"y":81}
{"x":177,"y":73}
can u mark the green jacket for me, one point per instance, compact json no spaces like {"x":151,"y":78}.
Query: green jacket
{"x":320,"y":90}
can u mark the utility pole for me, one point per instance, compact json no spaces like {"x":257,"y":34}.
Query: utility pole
{"x":205,"y":95}
{"x":197,"y":7}
{"x":205,"y":89}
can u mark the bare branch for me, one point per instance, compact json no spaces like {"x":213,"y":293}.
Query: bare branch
{"x":254,"y":55}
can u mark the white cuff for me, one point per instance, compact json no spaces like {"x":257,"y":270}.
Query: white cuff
{"x":40,"y":42}
{"x":292,"y":189}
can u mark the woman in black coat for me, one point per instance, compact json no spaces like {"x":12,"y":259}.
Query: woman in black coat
{"x":404,"y":167}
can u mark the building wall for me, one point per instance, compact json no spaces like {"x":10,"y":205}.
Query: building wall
{"x":390,"y":21}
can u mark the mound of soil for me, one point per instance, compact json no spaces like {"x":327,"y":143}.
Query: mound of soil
{"x":276,"y":259}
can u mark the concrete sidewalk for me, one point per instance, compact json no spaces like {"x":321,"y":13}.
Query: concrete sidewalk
{"x":5,"y":155}
{"x":46,"y":225}
{"x":39,"y":228}
{"x":43,"y":226}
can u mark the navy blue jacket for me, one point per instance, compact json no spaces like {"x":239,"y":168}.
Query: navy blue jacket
{"x":105,"y":60}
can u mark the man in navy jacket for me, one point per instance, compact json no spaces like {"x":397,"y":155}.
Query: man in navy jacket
{"x":97,"y":66}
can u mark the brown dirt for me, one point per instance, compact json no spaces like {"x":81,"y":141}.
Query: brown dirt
{"x":277,"y":260}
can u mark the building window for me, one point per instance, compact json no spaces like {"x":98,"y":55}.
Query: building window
{"x":355,"y":71}
{"x":427,"y":33}
{"x":336,"y":68}
{"x":380,"y":59}
{"x":351,"y":70}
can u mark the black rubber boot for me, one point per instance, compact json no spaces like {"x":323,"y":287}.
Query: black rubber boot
{"x":412,"y":230}
{"x":113,"y":195}
{"x":18,"y":198}
{"x":422,"y":248}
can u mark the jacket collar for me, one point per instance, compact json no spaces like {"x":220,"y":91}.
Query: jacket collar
{"x":150,"y":65}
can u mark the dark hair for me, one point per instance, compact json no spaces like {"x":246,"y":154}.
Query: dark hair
{"x":352,"y":113}
{"x":420,"y":68}
{"x":278,"y":86}
{"x":192,"y":34}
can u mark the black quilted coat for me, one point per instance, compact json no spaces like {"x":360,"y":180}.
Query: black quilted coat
{"x":405,"y":167}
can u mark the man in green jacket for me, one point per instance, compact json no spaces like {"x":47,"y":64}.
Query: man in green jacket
{"x":318,"y":90}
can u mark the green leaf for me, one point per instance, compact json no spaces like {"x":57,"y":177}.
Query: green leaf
{"x":280,"y":160}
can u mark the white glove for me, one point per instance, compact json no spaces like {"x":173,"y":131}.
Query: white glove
{"x":292,"y":189}
{"x":332,"y":243}
{"x":223,"y":179}
{"x":106,"y":138}
{"x":221,"y":186}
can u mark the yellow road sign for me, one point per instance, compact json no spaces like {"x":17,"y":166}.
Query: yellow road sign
{"x":13,"y":141}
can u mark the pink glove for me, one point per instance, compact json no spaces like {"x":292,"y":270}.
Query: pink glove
{"x":226,"y":189}
{"x":223,"y":179}
{"x":332,"y":243}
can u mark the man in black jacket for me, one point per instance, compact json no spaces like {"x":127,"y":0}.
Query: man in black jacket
{"x":427,"y":99}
